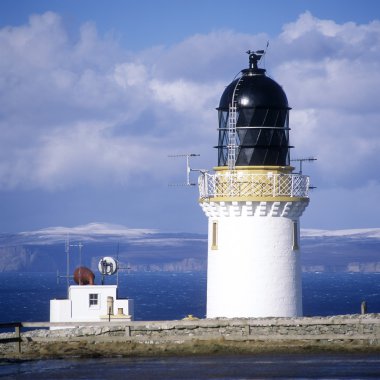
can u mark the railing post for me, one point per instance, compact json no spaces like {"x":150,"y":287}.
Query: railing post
{"x":292,"y":184}
{"x":18,"y":337}
{"x":204,"y":185}
{"x":363,"y":307}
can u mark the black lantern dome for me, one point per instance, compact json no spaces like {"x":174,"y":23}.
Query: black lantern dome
{"x":262,"y":119}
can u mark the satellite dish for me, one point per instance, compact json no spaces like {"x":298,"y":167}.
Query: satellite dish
{"x":107,"y":266}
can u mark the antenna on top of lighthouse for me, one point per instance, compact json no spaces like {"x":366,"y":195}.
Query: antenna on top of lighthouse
{"x":188,"y":168}
{"x":302,"y":160}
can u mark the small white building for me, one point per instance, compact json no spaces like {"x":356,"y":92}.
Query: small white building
{"x":88,"y":302}
{"x":91,"y":303}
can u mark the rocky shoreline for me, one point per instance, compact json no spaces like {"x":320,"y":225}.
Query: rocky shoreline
{"x":347,"y":333}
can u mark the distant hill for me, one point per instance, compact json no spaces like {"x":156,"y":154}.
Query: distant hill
{"x":356,"y":250}
{"x":138,"y":249}
{"x":151,"y":250}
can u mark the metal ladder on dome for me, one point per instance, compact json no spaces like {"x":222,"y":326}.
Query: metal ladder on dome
{"x":231,"y":147}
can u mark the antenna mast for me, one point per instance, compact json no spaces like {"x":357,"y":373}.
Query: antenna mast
{"x":188,"y":168}
{"x":302,"y":160}
{"x":67,"y":251}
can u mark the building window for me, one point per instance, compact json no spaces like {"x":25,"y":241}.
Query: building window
{"x":214,"y":237}
{"x":295,"y":236}
{"x":93,"y":300}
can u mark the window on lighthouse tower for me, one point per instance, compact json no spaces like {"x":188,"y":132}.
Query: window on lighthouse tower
{"x":295,"y":236}
{"x":214,"y":242}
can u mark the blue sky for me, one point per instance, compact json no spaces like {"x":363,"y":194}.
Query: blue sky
{"x":96,"y":94}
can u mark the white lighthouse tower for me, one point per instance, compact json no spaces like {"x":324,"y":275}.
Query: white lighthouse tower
{"x":253,"y":202}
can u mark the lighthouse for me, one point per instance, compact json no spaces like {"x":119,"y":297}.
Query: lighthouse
{"x":253,"y":200}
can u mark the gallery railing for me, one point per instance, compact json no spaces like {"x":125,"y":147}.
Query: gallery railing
{"x":240,"y":184}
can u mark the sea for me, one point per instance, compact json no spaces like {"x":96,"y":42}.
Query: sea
{"x":166,"y":296}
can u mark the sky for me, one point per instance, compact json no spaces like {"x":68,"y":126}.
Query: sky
{"x":95,"y":95}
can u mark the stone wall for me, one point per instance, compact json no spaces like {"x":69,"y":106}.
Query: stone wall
{"x":344,"y":331}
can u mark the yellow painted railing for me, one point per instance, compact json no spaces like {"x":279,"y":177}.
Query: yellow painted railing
{"x":240,"y":184}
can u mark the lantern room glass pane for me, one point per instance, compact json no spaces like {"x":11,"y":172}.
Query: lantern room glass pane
{"x":262,"y":137}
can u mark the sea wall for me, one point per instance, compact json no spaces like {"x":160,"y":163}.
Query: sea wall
{"x":192,"y":336}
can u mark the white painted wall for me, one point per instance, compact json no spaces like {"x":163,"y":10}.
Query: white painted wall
{"x":254,"y":272}
{"x":127,"y":306}
{"x":79,"y":295}
{"x":60,"y":310}
{"x":77,"y":308}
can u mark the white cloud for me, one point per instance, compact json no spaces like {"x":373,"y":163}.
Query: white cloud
{"x":38,"y":45}
{"x":331,"y":74}
{"x":307,"y":23}
{"x":89,"y":111}
{"x":82,"y":111}
{"x":345,"y":34}
{"x":183,"y":96}
{"x":130,"y":74}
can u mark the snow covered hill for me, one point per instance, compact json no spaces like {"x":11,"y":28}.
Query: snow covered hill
{"x":361,"y":233}
{"x":356,"y":250}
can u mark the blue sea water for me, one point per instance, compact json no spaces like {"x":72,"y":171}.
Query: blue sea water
{"x":161,"y":296}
